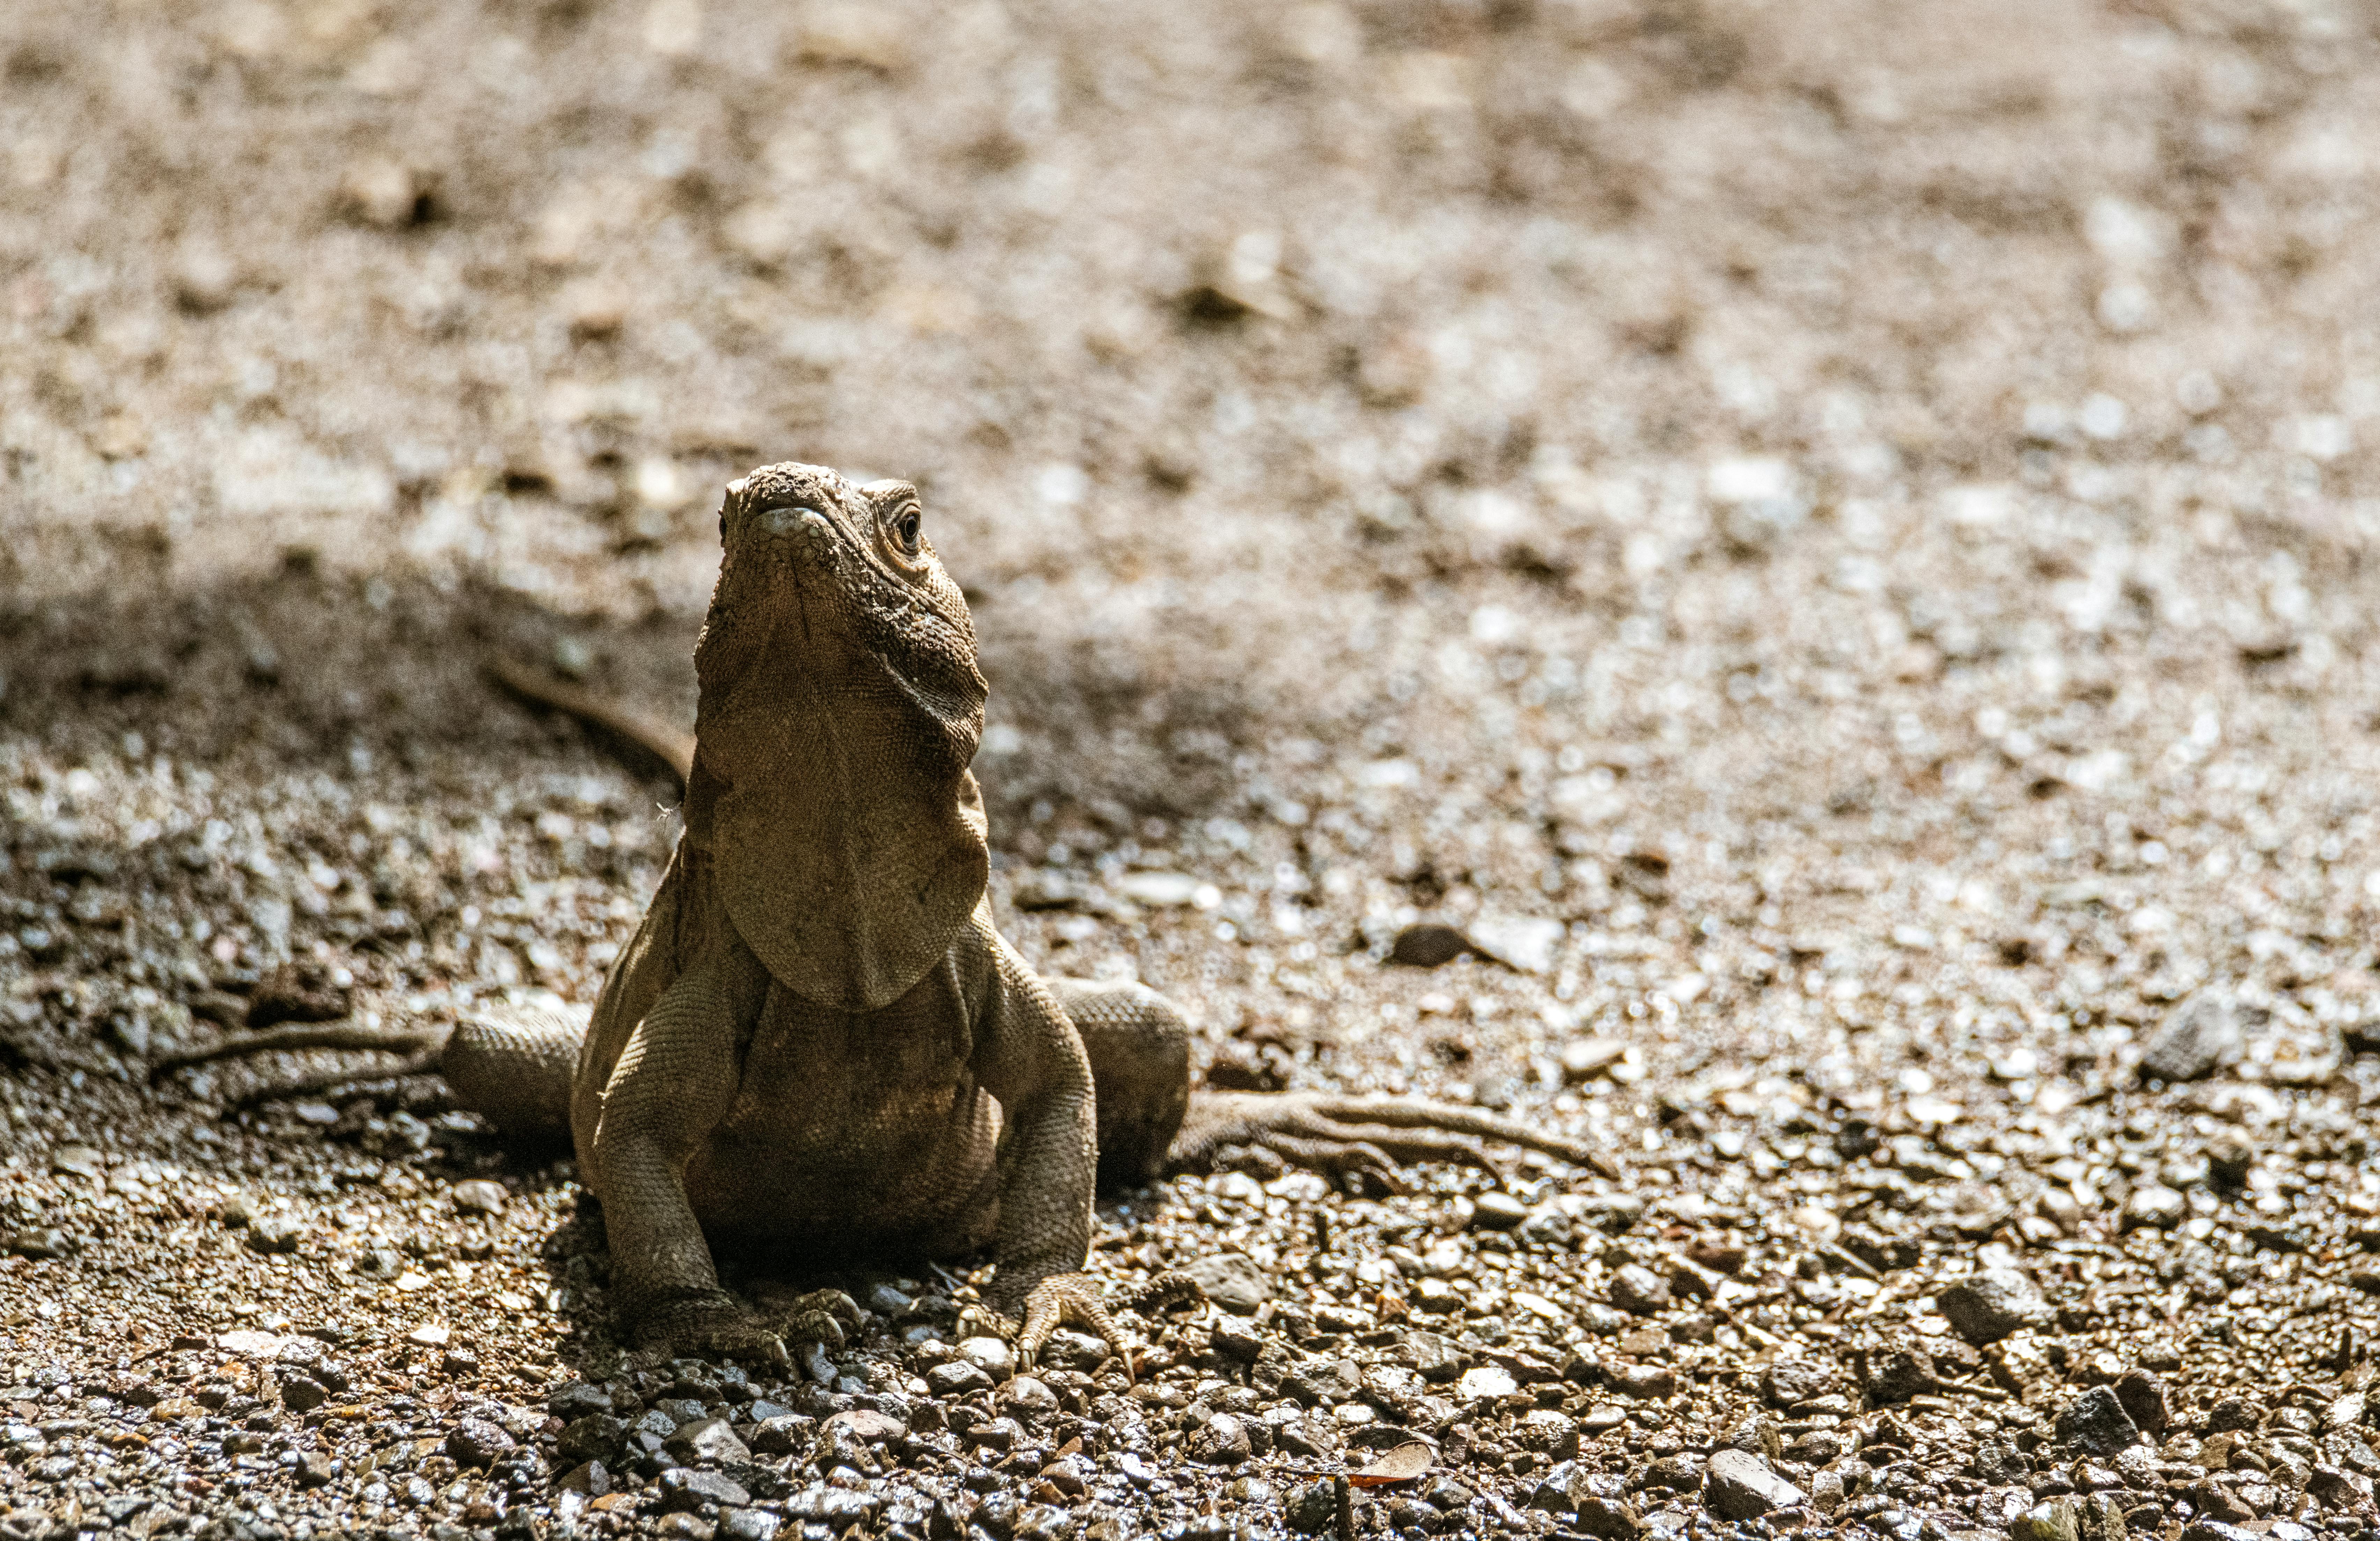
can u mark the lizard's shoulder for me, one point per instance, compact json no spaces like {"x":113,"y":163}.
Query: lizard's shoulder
{"x":979,"y":954}
{"x":987,"y":968}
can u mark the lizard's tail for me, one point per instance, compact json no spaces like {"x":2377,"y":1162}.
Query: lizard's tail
{"x":273,"y":1040}
{"x":655,"y":736}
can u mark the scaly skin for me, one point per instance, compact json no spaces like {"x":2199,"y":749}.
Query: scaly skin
{"x":817,"y":1045}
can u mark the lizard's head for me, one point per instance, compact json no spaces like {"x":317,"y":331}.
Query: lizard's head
{"x":851,"y":569}
{"x":840,"y":706}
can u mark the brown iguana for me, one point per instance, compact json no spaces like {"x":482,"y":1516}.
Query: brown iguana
{"x":817,"y":1043}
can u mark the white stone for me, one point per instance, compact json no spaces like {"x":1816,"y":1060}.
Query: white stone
{"x":990,"y":1356}
{"x":1751,"y":479}
{"x":1525,"y":942}
{"x":1158,"y":890}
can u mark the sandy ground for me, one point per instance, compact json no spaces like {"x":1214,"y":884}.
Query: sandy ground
{"x":1838,"y":537}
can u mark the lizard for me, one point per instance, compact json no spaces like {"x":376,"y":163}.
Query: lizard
{"x":817,"y":1042}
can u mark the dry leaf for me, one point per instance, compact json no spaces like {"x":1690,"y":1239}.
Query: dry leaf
{"x":1404,"y":1463}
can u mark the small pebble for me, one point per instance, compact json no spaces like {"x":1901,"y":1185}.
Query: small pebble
{"x":1988,"y":1307}
{"x":78,"y":1161}
{"x":993,"y":1356}
{"x":1497,"y":1212}
{"x":1739,"y":1486}
{"x":1427,"y":944}
{"x":707,"y":1439}
{"x":479,"y":1197}
{"x":478,"y":1443}
{"x":275,"y":1233}
{"x":1640,"y":1290}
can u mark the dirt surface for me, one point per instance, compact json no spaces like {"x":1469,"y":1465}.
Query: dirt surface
{"x":1835,"y":541}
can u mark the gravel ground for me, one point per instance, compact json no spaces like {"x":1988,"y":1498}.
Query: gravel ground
{"x":1824,"y":554}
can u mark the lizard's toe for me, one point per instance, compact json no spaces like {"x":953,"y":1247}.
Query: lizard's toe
{"x":1256,"y":1160}
{"x":1065,"y":1300}
{"x":833,"y":1302}
{"x":814,"y":1326}
{"x":710,"y":1326}
{"x":978,"y":1320}
{"x":1350,"y":1163}
{"x":1353,"y":1140}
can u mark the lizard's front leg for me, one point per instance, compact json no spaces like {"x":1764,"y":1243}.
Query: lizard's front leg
{"x":674,"y":1082}
{"x":1029,"y":1057}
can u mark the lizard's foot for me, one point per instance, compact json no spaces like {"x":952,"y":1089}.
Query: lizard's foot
{"x":1056,"y":1300}
{"x":1347,"y":1138}
{"x":811,"y":1324}
{"x":818,"y":1317}
{"x":710,"y":1326}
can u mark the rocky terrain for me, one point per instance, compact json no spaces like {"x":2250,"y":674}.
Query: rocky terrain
{"x":1784,"y":589}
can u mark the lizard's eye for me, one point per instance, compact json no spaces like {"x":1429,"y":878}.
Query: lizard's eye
{"x":904,"y":529}
{"x":899,"y":525}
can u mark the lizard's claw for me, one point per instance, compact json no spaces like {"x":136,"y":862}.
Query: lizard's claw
{"x":711,"y":1326}
{"x":820,"y":1317}
{"x":1065,"y":1300}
